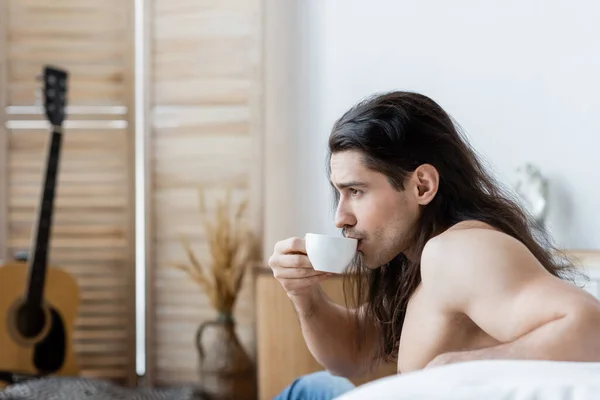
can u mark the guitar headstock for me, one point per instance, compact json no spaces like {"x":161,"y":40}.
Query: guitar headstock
{"x":55,"y":94}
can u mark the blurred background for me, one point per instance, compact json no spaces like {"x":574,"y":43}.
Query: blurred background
{"x":169,"y":99}
{"x":520,"y":78}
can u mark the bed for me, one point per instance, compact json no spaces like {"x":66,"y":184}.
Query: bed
{"x":489,"y":380}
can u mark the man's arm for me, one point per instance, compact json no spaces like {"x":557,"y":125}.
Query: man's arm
{"x":494,"y":280}
{"x":330,"y":330}
{"x":330,"y":333}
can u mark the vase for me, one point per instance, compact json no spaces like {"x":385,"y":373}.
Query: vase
{"x":226,"y":371}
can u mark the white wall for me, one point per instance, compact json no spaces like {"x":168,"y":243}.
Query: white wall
{"x":521,"y":77}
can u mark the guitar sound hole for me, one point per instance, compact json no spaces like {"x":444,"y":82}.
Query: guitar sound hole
{"x":30,"y":320}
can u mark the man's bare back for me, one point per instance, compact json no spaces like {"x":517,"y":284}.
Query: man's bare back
{"x":523,"y":298}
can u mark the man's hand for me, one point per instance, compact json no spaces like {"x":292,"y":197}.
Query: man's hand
{"x":329,"y":329}
{"x":495,"y":281}
{"x":292,"y":268}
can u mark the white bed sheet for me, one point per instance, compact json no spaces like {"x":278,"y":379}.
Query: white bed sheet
{"x":489,"y":380}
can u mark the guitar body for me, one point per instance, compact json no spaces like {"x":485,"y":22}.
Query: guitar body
{"x":51,"y":351}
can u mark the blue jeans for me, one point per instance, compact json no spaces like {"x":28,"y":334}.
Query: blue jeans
{"x":316,"y":386}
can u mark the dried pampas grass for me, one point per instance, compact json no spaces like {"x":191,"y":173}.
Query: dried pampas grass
{"x":233,"y":249}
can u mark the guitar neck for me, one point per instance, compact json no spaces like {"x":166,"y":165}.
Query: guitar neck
{"x":39,"y":259}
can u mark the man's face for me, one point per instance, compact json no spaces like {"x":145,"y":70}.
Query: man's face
{"x":372,"y":210}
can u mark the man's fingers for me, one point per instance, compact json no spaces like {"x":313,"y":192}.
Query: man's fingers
{"x":291,"y":245}
{"x":292,"y":268}
{"x":292,"y":261}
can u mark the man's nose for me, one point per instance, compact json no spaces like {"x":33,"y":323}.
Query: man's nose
{"x":344,"y":218}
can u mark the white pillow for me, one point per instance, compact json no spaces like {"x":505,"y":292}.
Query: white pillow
{"x":488,"y":380}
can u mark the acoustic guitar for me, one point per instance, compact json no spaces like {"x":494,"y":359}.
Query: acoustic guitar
{"x":38,"y":303}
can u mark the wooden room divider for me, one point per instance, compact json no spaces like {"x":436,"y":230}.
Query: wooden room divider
{"x":92,"y":234}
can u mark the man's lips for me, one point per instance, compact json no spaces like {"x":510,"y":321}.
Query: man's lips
{"x":357,"y":238}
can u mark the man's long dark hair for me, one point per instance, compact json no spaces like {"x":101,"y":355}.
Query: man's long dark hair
{"x":396,"y":132}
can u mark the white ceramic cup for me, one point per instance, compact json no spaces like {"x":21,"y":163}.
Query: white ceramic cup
{"x":330,"y":253}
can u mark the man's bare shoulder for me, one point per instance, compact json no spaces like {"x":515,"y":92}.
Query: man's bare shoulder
{"x":475,"y":253}
{"x":466,"y":239}
{"x":468,"y":225}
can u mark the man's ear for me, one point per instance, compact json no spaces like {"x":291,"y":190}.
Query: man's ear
{"x":426,"y":180}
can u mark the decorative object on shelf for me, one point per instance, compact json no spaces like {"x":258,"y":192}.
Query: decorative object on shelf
{"x":225,"y":369}
{"x":532,"y":188}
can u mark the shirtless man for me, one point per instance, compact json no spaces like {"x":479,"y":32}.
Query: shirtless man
{"x":448,"y":268}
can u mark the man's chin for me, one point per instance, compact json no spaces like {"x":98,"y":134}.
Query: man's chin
{"x":365,"y":262}
{"x":372,"y":264}
{"x":362,"y":261}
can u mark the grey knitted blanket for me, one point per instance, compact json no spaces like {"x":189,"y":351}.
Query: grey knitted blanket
{"x":61,"y":388}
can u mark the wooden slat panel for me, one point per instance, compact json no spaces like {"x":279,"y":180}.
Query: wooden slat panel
{"x":205,"y":52}
{"x":92,"y":229}
{"x":86,"y":37}
{"x":3,"y":135}
{"x":100,"y":335}
{"x":108,"y":373}
{"x":99,"y":348}
{"x":89,"y":234}
{"x":205,"y":65}
{"x":177,"y":212}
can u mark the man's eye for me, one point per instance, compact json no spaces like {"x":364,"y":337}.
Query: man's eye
{"x":354,"y":192}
